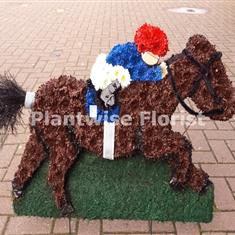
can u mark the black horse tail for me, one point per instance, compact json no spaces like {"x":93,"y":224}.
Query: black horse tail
{"x":12,"y":98}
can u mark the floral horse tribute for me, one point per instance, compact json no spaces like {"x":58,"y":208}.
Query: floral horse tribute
{"x":111,"y":110}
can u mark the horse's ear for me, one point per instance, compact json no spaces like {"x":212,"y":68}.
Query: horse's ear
{"x":199,"y":46}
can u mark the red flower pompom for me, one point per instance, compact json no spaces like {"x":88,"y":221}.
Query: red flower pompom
{"x":151,"y":38}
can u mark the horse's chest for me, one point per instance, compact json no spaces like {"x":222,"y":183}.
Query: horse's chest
{"x":107,"y":140}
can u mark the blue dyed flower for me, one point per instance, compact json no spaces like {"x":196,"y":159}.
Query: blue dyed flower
{"x":109,"y":115}
{"x":128,"y":56}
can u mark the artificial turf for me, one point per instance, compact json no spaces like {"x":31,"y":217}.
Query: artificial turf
{"x":129,"y":188}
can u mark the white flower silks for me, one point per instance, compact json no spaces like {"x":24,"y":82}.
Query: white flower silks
{"x":102,"y":74}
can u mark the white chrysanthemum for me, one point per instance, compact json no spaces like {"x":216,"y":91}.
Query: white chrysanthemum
{"x":163,"y":67}
{"x":102,"y":74}
{"x":98,"y":72}
{"x":107,"y":76}
{"x":122,"y":75}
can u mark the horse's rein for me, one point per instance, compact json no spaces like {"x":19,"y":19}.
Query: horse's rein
{"x":204,"y":73}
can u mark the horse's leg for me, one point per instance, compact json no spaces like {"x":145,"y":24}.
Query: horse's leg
{"x":197,"y":179}
{"x":176,"y":150}
{"x":63,"y":154}
{"x":34,"y":154}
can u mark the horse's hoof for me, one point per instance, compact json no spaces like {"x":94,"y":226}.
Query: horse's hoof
{"x":17,"y":192}
{"x":67,"y":210}
{"x":206,"y":184}
{"x":175,"y":184}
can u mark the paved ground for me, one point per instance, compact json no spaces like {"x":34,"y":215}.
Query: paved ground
{"x":42,"y":39}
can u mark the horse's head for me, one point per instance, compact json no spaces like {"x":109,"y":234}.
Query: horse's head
{"x":212,"y":90}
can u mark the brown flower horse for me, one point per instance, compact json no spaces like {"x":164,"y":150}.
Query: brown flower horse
{"x":197,"y":72}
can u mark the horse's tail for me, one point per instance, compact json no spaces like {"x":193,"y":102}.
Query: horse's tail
{"x":12,"y":99}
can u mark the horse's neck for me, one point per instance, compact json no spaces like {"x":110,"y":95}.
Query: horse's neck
{"x":183,"y":74}
{"x":159,"y":96}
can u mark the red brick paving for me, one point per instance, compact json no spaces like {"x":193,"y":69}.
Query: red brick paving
{"x":28,"y":225}
{"x":231,"y":182}
{"x":221,"y":151}
{"x":224,"y":199}
{"x":61,"y":226}
{"x":188,"y":228}
{"x":89,"y":227}
{"x":40,"y":40}
{"x":5,"y":189}
{"x":3,"y":220}
{"x":12,"y":168}
{"x":198,"y":140}
{"x":220,"y":170}
{"x":6,"y":206}
{"x":231,"y":144}
{"x":222,"y":221}
{"x":203,"y":157}
{"x":163,"y":227}
{"x":125,"y":225}
{"x":2,"y":173}
{"x":7,"y":153}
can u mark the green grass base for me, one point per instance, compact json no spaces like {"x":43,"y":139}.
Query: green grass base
{"x":132,"y":188}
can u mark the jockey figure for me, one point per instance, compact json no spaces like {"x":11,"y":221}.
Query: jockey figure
{"x":126,"y":63}
{"x":142,"y":56}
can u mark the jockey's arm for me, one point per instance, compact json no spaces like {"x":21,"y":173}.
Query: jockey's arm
{"x":163,"y":67}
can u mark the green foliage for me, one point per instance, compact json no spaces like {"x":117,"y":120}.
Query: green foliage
{"x":129,"y":188}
